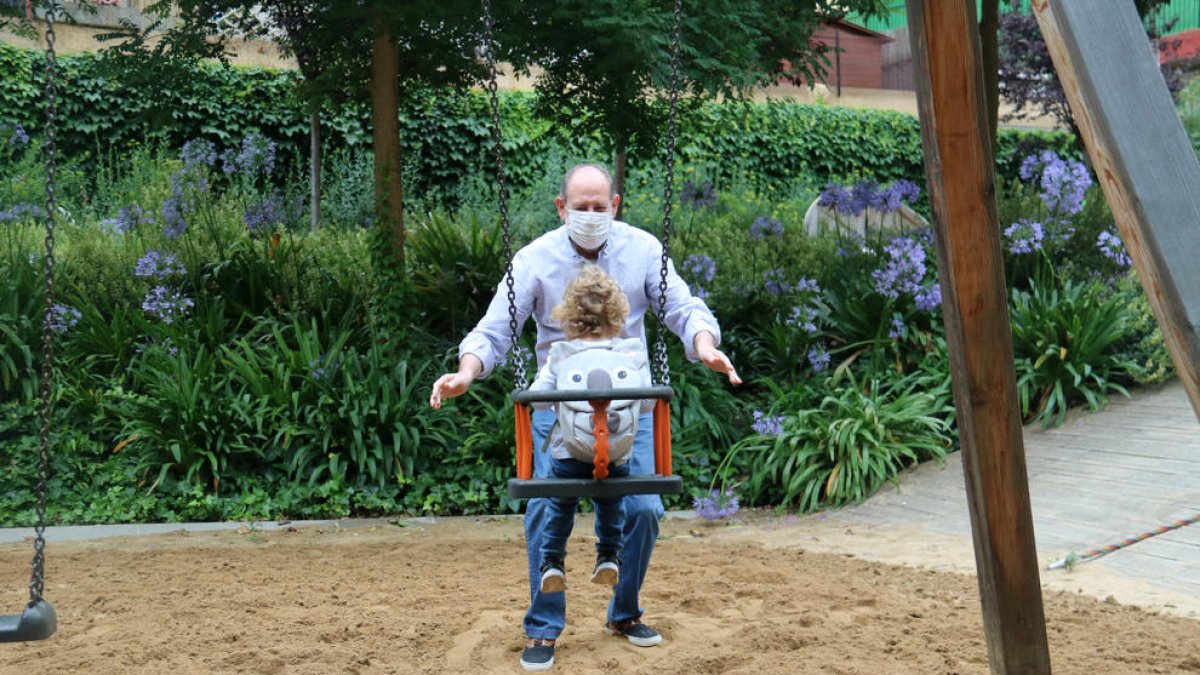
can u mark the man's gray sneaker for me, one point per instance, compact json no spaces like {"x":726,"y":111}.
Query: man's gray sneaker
{"x":538,"y":654}
{"x":637,"y":632}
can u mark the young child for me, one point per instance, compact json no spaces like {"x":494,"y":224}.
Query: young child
{"x":592,"y":314}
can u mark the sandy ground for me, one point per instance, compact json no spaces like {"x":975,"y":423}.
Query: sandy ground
{"x":448,"y":596}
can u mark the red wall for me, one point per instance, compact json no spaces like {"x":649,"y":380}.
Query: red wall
{"x":861,"y":57}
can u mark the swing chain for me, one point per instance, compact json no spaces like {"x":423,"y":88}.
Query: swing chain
{"x":515,"y":358}
{"x":660,"y":345}
{"x":37,"y":582}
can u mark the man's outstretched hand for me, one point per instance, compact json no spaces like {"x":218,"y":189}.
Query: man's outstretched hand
{"x":714,"y":358}
{"x":456,"y":384}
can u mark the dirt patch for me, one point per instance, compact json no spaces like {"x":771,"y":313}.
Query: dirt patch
{"x":449,"y":597}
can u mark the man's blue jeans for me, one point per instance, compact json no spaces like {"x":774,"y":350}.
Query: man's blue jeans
{"x":548,"y":611}
{"x":560,"y":512}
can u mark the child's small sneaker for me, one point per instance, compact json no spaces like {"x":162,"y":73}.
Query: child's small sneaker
{"x":554,"y":580}
{"x":607,"y":570}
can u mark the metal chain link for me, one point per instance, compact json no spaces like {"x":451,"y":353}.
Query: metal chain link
{"x":514,"y":355}
{"x":663,"y":370}
{"x":38,"y":582}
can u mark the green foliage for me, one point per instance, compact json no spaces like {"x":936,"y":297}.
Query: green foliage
{"x":1063,"y":343}
{"x":455,"y":267}
{"x":1189,"y":112}
{"x":297,"y":385}
{"x":1144,"y":347}
{"x":609,"y":60}
{"x":445,"y":140}
{"x":706,"y":419}
{"x":841,"y":442}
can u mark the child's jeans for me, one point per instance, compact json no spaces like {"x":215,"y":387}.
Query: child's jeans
{"x":610,"y":513}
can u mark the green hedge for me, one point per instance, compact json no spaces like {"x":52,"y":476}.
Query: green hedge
{"x":446,"y":134}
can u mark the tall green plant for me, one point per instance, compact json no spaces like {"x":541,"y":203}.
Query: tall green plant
{"x":1064,"y":342}
{"x":455,"y":264}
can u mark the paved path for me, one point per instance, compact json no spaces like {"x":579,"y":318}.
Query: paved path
{"x":1096,"y":479}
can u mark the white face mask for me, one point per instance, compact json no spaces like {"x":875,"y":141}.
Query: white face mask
{"x":589,"y":229}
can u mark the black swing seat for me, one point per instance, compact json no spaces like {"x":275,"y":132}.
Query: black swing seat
{"x":37,"y":622}
{"x":587,"y":487}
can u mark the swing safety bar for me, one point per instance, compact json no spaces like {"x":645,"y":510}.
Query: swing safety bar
{"x":559,"y":395}
{"x":662,"y":481}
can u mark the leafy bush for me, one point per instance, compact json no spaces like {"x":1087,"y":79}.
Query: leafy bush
{"x":1144,"y":347}
{"x":828,"y":446}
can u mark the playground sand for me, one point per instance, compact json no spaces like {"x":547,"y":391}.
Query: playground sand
{"x":768,"y":596}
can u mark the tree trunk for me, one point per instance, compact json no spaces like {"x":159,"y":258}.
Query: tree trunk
{"x":385,"y":97}
{"x":314,"y":132}
{"x":989,"y":42}
{"x":619,"y":159}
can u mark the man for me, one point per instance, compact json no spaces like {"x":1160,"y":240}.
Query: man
{"x":541,"y":271}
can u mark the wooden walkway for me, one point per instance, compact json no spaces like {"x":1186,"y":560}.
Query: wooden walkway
{"x":1094,"y":480}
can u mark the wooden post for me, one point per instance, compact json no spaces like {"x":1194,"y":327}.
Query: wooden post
{"x":1142,"y":156}
{"x":959,"y":162}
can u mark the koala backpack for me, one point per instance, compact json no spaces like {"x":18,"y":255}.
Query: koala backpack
{"x":578,"y":365}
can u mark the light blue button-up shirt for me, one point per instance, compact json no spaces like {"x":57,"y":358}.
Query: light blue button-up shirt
{"x":542,"y":270}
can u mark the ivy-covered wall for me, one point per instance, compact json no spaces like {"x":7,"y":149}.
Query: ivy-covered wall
{"x":446,"y":134}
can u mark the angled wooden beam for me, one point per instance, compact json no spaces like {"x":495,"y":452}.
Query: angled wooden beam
{"x":1142,"y":156}
{"x":959,"y":162}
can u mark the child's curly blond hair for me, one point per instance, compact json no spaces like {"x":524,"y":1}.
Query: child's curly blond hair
{"x":593,"y":306}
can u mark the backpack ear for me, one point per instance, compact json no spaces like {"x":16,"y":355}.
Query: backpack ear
{"x":561,"y":351}
{"x":634,"y":349}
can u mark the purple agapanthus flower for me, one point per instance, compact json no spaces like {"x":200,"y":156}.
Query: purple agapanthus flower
{"x":21,"y":212}
{"x":256,"y":155}
{"x":63,"y":318}
{"x":767,"y":426}
{"x":265,"y":215}
{"x":765,"y":227}
{"x":1025,"y":236}
{"x":819,"y":358}
{"x":904,"y":269}
{"x":321,"y":371}
{"x":700,"y":267}
{"x":863,"y":194}
{"x":804,"y":318}
{"x":174,"y":223}
{"x":128,"y":218}
{"x":198,"y":153}
{"x":1032,"y":165}
{"x":1063,"y":182}
{"x":1113,"y":248}
{"x":804,"y":284}
{"x":697,"y":197}
{"x":836,"y":198}
{"x":929,"y":298}
{"x":157,"y":265}
{"x":897,"y":330}
{"x":166,"y":304}
{"x":716,"y":506}
{"x":775,"y":282}
{"x":1063,"y":187}
{"x":19,"y":135}
{"x":905,"y":190}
